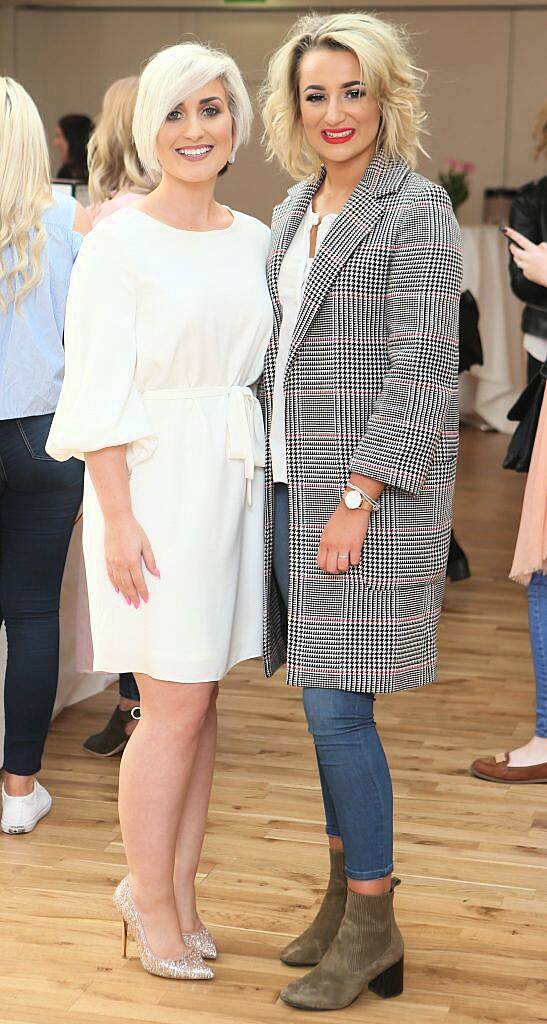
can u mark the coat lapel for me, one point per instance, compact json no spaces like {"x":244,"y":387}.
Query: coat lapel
{"x":298,"y":199}
{"x":354,"y":222}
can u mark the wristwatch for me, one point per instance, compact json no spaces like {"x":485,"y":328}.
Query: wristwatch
{"x":355,"y":498}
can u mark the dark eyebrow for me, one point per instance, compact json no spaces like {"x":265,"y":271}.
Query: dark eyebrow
{"x":209,"y":100}
{"x":321,"y":88}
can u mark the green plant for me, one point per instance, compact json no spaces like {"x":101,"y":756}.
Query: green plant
{"x":456,"y":180}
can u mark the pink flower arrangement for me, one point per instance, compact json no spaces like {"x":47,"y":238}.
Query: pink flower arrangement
{"x":460,"y":166}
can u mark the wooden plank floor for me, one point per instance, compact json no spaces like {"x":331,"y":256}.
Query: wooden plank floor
{"x":472,"y":855}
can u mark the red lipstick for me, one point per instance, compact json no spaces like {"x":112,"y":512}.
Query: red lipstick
{"x":336,"y":136}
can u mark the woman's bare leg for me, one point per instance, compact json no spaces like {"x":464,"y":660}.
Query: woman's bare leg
{"x":193,"y":823}
{"x":155,"y":777}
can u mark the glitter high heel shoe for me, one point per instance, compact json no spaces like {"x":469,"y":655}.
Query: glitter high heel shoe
{"x":201,"y":941}
{"x":190,"y":967}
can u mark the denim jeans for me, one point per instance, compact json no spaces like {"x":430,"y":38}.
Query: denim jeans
{"x":537,"y":612}
{"x":353,"y":770}
{"x":39,"y":501}
{"x":128,"y":687}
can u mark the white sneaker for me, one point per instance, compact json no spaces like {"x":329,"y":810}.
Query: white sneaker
{"x":21,"y":814}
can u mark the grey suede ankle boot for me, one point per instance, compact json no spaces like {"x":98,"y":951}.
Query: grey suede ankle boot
{"x":308,"y":949}
{"x":367,"y":951}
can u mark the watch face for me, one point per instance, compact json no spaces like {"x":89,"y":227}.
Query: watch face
{"x":353,"y":499}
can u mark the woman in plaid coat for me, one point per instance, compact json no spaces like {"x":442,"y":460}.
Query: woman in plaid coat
{"x":360,"y":399}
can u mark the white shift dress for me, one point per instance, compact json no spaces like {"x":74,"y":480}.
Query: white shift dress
{"x":165,"y":337}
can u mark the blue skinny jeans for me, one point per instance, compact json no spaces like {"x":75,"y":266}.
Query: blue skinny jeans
{"x":128,"y":687}
{"x":39,"y":501}
{"x":537,"y":613}
{"x":353,"y":770}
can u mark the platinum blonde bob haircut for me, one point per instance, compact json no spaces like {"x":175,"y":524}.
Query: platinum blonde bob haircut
{"x":169,"y":78}
{"x":25,"y":192}
{"x":386,"y":70}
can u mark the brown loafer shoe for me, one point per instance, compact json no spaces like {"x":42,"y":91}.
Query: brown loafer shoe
{"x":497,"y":769}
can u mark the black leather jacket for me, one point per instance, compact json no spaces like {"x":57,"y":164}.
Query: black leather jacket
{"x":529,"y":216}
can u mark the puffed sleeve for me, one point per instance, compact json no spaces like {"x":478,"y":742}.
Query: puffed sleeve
{"x":100,"y":405}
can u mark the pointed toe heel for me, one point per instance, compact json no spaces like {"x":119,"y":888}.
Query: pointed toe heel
{"x":390,"y":982}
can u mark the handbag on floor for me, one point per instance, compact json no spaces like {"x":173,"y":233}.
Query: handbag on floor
{"x":526,"y":409}
{"x":470,"y":339}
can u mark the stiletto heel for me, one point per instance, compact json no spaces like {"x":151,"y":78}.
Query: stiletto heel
{"x":124,"y":938}
{"x":390,"y":982}
{"x":191,"y":966}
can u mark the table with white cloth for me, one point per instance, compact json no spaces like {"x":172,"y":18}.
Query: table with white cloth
{"x":490,"y":390}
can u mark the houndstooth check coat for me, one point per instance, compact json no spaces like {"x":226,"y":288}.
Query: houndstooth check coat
{"x":370,"y":388}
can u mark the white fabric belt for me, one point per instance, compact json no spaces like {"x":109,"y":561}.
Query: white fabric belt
{"x":244,"y":426}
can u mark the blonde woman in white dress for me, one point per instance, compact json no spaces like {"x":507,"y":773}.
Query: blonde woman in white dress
{"x":168,"y":321}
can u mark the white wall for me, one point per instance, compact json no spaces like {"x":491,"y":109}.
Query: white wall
{"x":487,"y":77}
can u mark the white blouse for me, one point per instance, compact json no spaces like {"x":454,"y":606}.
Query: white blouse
{"x":293,"y":275}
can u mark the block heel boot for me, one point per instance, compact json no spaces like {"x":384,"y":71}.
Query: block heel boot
{"x":368,"y":952}
{"x":308,"y":949}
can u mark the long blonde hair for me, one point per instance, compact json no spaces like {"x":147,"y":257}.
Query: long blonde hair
{"x":386,"y":68}
{"x":25,"y":192}
{"x":114,"y":165}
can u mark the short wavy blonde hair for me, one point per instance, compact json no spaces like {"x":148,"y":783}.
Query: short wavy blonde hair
{"x":169,"y":78}
{"x":387,"y":71}
{"x":112,"y":158}
{"x":540,"y":132}
{"x":25,"y":192}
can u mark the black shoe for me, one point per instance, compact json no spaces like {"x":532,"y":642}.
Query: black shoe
{"x":458,"y":569}
{"x":458,"y":566}
{"x":113,"y":738}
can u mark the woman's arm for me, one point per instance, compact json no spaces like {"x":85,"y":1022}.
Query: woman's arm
{"x":101,"y":417}
{"x":530,"y":259}
{"x":422,"y":314}
{"x":524,"y":219}
{"x":422,"y":319}
{"x":125,"y":542}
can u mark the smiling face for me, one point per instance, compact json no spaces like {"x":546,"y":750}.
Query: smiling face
{"x":340,"y":120}
{"x":196,"y":139}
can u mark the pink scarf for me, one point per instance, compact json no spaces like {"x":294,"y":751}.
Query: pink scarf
{"x":531,"y":549}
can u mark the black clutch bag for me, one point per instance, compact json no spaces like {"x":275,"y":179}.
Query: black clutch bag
{"x":526,"y":409}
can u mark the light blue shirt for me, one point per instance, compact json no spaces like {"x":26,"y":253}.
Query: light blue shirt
{"x":31,"y":340}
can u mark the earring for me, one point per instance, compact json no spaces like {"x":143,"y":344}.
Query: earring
{"x":232,"y":159}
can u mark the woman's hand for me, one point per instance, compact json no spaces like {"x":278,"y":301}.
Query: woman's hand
{"x":126,"y":548}
{"x":530,"y":258}
{"x":342,"y":539}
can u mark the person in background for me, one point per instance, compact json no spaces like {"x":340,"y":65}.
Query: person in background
{"x":116,"y":180}
{"x":71,"y":138}
{"x":39,"y":498}
{"x":116,"y":175}
{"x":529,"y":762}
{"x":529,"y":218}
